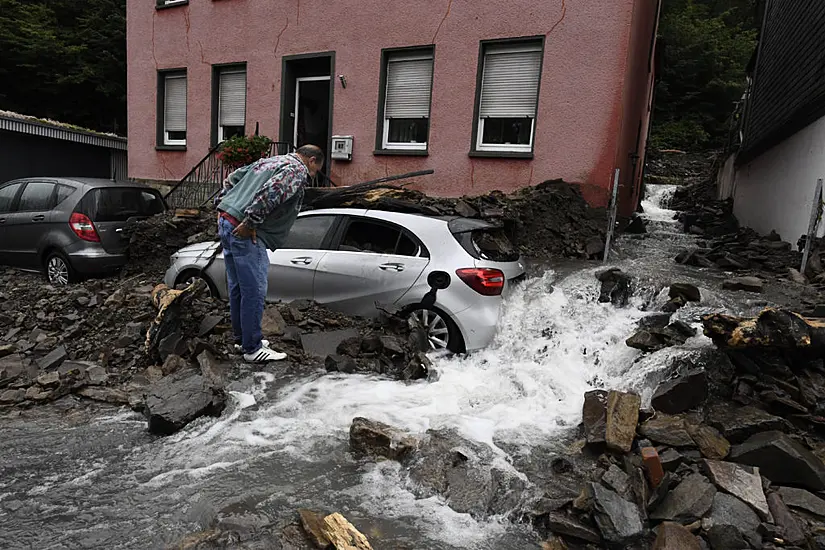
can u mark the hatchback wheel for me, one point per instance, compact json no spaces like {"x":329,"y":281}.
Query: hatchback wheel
{"x":59,"y":271}
{"x":442,"y":332}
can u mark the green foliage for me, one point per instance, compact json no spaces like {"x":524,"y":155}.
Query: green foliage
{"x":707,"y":45}
{"x":65,"y":60}
{"x":242,"y":150}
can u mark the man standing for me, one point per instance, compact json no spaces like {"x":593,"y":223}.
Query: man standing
{"x":257,"y":207}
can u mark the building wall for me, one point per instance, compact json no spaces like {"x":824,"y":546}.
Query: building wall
{"x":25,"y":155}
{"x":585,"y":95}
{"x":775,"y":190}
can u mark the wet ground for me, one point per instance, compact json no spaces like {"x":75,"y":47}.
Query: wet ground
{"x":85,"y":477}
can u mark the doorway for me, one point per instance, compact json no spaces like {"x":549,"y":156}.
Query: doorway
{"x":307,"y":99}
{"x":312,"y":111}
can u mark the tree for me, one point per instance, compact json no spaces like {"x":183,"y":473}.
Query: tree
{"x":707,"y":46}
{"x":65,"y":60}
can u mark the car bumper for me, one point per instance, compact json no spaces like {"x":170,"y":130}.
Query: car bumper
{"x":479,"y":323}
{"x":92,"y":261}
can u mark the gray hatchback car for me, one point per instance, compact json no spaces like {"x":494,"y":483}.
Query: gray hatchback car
{"x":70,"y":227}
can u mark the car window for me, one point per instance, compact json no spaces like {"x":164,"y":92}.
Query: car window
{"x":378,"y":238}
{"x":37,"y":196}
{"x":118,"y":204}
{"x":308,"y":232}
{"x":7,"y":195}
{"x":63,"y":193}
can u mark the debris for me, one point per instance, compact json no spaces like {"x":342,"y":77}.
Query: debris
{"x":653,"y":465}
{"x":343,"y":535}
{"x":685,"y":291}
{"x":710,"y":442}
{"x":618,"y":520}
{"x":742,"y":482}
{"x":782,"y":460}
{"x":689,"y":501}
{"x":615,"y":287}
{"x":681,"y":394}
{"x":313,"y":524}
{"x":738,"y":424}
{"x":622,"y":417}
{"x":105,"y":395}
{"x":672,"y":536}
{"x":667,"y":430}
{"x":802,"y":499}
{"x":772,"y":328}
{"x":729,"y":510}
{"x":594,"y":416}
{"x":53,"y":359}
{"x":784,"y":519}
{"x":175,"y":401}
{"x":750,"y":284}
{"x":563,"y":524}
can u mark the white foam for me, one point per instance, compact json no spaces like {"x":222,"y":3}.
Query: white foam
{"x":654,"y":203}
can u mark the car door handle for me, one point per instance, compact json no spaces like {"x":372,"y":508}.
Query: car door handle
{"x":38,"y":218}
{"x":303,"y":260}
{"x":391,"y":266}
{"x":2,"y":220}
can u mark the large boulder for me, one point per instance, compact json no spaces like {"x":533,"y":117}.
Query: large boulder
{"x":176,"y":400}
{"x":618,"y":520}
{"x":782,"y":460}
{"x":689,"y":501}
{"x":369,"y":437}
{"x":681,"y":394}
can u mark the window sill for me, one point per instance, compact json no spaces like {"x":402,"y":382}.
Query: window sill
{"x":502,"y":154}
{"x":401,"y":153}
{"x":170,"y":148}
{"x":174,"y":5}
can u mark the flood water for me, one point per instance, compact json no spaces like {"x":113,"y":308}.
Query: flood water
{"x":77,"y":478}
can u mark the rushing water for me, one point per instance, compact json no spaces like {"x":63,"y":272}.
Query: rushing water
{"x":80,"y":479}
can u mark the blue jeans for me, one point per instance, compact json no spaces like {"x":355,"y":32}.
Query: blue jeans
{"x":247,"y":266}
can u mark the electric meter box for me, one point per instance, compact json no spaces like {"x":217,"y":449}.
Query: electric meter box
{"x":342,"y":147}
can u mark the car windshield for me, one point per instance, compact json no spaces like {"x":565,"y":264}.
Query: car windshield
{"x":118,"y":204}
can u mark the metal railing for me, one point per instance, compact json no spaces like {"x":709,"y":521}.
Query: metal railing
{"x":204,"y":181}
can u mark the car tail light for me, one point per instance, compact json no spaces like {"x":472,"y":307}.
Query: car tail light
{"x":84,"y":228}
{"x":485,"y":281}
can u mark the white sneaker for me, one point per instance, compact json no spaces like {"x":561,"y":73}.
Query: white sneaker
{"x":239,"y":348}
{"x":264,"y":355}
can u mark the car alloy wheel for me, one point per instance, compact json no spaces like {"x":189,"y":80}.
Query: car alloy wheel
{"x":438,"y":332}
{"x":58,"y":271}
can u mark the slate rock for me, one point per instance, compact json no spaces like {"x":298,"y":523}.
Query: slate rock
{"x":793,"y":532}
{"x":176,"y":400}
{"x":681,"y":394}
{"x":672,"y":536}
{"x":636,"y":226}
{"x":96,"y":375}
{"x":741,"y":481}
{"x":272,"y":323}
{"x":53,"y":359}
{"x":729,"y":510}
{"x":618,"y":520}
{"x":113,"y":396}
{"x":208,"y":324}
{"x":749,"y":284}
{"x":802,"y":499}
{"x":738,"y":424}
{"x":726,"y":537}
{"x":49,"y":379}
{"x":688,"y":292}
{"x":689,"y":501}
{"x":622,"y":417}
{"x":212,"y":369}
{"x":369,"y":437}
{"x":656,"y":320}
{"x":670,"y":459}
{"x":710,"y":442}
{"x":292,"y":334}
{"x":340,"y":363}
{"x":782,"y":460}
{"x":341,"y":342}
{"x":594,"y":416}
{"x":667,"y":430}
{"x":11,"y":397}
{"x":615,"y":287}
{"x":615,"y":478}
{"x":563,"y":524}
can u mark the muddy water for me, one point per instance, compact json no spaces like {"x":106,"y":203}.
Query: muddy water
{"x":86,"y":478}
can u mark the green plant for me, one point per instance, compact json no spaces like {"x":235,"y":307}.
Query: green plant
{"x":242,"y":150}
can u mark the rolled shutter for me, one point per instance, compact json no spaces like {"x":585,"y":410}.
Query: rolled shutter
{"x":409,"y":81}
{"x":232,"y":100}
{"x":510,"y":83}
{"x":175,"y":107}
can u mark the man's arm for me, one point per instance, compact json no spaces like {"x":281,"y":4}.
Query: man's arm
{"x":278,"y":189}
{"x":231,"y":181}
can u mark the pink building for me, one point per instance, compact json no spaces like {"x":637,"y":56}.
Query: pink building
{"x":490,"y":95}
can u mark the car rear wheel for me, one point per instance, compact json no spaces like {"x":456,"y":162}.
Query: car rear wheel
{"x":59,"y":271}
{"x":442,"y":332}
{"x":189,"y":277}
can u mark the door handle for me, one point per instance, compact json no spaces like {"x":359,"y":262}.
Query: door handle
{"x":393,"y":266}
{"x":303,"y":260}
{"x":2,"y":220}
{"x":38,"y":218}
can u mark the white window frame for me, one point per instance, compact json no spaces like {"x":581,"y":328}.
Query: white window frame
{"x":173,"y":2}
{"x":527,"y":45}
{"x":385,"y":140}
{"x":221,"y":72}
{"x":166,"y":139}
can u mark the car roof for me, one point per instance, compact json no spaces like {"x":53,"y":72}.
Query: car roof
{"x":91,"y":183}
{"x":398,"y":217}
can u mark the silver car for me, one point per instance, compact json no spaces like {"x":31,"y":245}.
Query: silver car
{"x":451,"y":273}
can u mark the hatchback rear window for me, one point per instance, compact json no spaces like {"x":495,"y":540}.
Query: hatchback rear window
{"x":483,"y":241}
{"x":118,"y":204}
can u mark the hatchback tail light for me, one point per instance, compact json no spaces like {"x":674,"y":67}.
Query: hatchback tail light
{"x":485,"y":281}
{"x":84,"y":228}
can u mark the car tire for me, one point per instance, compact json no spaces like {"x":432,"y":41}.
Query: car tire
{"x":188,"y":277}
{"x":59,"y":271}
{"x":438,"y":325}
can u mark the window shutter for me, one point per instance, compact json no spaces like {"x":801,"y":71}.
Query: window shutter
{"x":232,"y":100}
{"x":174,"y":116}
{"x":409,"y":81}
{"x":510,"y":83}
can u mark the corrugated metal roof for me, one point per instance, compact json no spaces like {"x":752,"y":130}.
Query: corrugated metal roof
{"x":14,"y":122}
